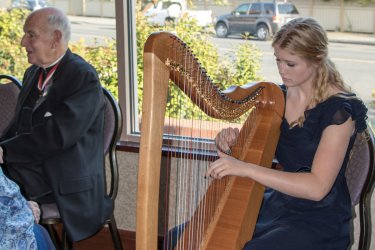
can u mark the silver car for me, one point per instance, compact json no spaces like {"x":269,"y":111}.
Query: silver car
{"x":259,"y":19}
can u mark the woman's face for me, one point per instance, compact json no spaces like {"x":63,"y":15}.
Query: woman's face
{"x":294,"y":70}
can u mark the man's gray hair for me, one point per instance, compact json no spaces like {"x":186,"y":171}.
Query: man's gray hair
{"x":59,"y":21}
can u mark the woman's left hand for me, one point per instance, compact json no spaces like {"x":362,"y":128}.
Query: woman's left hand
{"x":226,"y":165}
{"x":1,"y":155}
{"x":36,"y":210}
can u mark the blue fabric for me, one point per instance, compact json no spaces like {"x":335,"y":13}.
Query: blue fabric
{"x":171,"y":239}
{"x":290,"y":223}
{"x":43,"y":239}
{"x":16,"y":218}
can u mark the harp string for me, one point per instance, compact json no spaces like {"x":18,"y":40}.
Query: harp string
{"x":190,"y":185}
{"x":161,"y":64}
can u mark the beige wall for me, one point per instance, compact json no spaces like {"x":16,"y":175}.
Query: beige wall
{"x":5,"y":4}
{"x":125,"y":207}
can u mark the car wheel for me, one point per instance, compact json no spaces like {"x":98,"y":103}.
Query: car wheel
{"x":221,"y":30}
{"x":263,"y":32}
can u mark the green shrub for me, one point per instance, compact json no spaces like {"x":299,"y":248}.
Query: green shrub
{"x":103,"y":59}
{"x":224,"y":72}
{"x":13,"y":58}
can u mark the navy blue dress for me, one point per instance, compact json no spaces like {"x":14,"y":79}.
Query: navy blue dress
{"x":289,"y":223}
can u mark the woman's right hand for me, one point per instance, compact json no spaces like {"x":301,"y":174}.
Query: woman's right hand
{"x":226,"y":138}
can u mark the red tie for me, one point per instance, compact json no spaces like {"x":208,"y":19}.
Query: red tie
{"x":45,"y":78}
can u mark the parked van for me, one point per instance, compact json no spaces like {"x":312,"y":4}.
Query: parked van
{"x":260,"y":19}
{"x":159,"y":12}
{"x":29,"y":4}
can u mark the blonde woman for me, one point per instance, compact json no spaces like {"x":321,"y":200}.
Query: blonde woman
{"x":307,"y":203}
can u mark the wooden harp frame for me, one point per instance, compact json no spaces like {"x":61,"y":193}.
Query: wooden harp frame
{"x":235,"y":222}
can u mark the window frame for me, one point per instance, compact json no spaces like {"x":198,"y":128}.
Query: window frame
{"x":127,"y":71}
{"x":126,"y":38}
{"x":127,"y":76}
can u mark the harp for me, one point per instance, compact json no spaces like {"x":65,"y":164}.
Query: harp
{"x":225,"y":214}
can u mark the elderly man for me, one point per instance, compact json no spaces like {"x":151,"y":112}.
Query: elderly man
{"x":53,"y":148}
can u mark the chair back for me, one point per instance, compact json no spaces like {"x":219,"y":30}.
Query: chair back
{"x":9,"y":90}
{"x":112,"y":132}
{"x":360,"y":166}
{"x":360,"y":174}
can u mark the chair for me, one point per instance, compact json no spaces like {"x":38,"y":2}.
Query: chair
{"x":360,"y":174}
{"x":9,"y":90}
{"x":112,"y":131}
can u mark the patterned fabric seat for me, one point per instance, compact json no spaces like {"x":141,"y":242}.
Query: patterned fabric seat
{"x":360,"y":174}
{"x":9,"y":90}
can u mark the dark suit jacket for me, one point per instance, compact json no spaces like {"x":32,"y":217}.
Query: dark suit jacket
{"x":65,"y":136}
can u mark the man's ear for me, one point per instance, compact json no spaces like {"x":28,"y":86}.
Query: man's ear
{"x":57,"y":37}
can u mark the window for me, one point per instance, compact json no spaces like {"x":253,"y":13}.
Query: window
{"x":287,"y":9}
{"x":242,"y":9}
{"x":126,"y":42}
{"x":255,"y":9}
{"x":127,"y":58}
{"x":269,"y":8}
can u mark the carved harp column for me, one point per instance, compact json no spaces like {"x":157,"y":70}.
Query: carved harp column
{"x":225,"y":215}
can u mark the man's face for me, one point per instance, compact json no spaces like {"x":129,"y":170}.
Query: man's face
{"x":38,"y":41}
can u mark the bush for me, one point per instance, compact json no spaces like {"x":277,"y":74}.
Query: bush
{"x":224,"y":71}
{"x":13,"y":58}
{"x":104,"y":58}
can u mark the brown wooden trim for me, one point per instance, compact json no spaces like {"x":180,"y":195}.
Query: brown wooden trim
{"x":133,"y":147}
{"x":127,"y":146}
{"x":103,"y":241}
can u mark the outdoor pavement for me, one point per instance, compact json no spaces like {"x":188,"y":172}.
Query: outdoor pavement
{"x":354,"y":38}
{"x":342,"y":37}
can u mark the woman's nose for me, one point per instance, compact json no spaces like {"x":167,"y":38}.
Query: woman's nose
{"x":281,"y":67}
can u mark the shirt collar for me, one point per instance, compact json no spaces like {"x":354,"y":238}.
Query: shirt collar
{"x":54,"y":63}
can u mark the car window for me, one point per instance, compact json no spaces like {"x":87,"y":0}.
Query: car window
{"x":269,"y":8}
{"x":242,"y":9}
{"x":286,"y":8}
{"x":255,"y":9}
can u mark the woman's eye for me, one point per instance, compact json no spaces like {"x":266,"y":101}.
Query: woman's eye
{"x":290,"y":65}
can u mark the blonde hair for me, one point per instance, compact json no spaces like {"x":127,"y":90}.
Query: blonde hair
{"x":305,"y":37}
